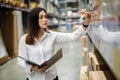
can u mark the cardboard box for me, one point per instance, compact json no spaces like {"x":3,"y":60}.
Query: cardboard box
{"x":3,"y":52}
{"x":97,"y":75}
{"x":85,"y":41}
{"x":9,"y":31}
{"x":100,"y":75}
{"x":97,"y":63}
{"x":84,"y":73}
{"x":85,"y":56}
{"x":85,"y":49}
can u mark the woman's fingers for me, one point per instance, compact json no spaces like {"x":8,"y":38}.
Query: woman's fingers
{"x":87,"y":18}
{"x":83,"y":11}
{"x":44,"y":68}
{"x":36,"y":68}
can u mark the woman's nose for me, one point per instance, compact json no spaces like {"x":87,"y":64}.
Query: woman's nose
{"x":45,"y":19}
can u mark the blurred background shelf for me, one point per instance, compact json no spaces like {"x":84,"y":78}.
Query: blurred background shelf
{"x":11,"y":7}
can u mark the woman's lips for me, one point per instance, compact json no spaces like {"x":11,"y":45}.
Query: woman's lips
{"x":45,"y":24}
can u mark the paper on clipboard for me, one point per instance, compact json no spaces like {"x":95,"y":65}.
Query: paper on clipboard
{"x":48,"y":63}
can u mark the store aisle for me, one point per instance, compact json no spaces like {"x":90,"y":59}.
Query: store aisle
{"x":68,"y":67}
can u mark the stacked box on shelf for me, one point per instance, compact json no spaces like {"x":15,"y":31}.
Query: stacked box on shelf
{"x":85,"y":56}
{"x":3,"y":52}
{"x":96,"y":63}
{"x":85,"y":49}
{"x":9,"y":31}
{"x":85,"y":41}
{"x":84,"y":73}
{"x":100,"y":75}
{"x":97,"y":75}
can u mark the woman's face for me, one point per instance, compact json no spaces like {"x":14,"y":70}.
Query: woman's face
{"x":43,"y":21}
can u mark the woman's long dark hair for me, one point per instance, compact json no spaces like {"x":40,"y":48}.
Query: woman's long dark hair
{"x":33,"y":25}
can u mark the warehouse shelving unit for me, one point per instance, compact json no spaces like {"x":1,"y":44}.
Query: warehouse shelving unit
{"x":53,"y":14}
{"x":68,"y":5}
{"x":103,"y":52}
{"x":68,"y":10}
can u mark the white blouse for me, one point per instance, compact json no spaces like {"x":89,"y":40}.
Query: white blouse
{"x":42,"y":51}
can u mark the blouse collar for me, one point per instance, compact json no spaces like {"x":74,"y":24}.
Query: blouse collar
{"x":45,"y":34}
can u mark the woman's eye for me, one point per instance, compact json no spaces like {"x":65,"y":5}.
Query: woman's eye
{"x":41,"y":17}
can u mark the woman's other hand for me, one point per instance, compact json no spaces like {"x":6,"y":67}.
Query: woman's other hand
{"x":35,"y":68}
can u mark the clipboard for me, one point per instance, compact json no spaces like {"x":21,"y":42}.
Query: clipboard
{"x":47,"y":63}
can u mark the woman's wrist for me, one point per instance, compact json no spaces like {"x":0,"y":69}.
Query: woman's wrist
{"x":85,"y":25}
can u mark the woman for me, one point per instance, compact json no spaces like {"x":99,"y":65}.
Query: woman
{"x":38,"y":45}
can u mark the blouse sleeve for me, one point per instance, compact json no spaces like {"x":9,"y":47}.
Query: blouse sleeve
{"x":62,"y":37}
{"x":22,"y":52}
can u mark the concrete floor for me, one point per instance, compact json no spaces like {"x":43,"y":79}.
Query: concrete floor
{"x":68,"y":67}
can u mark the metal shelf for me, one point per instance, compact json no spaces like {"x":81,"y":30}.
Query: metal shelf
{"x":52,"y":15}
{"x":70,"y":18}
{"x":68,"y":5}
{"x":11,"y":7}
{"x":68,"y":1}
{"x":72,"y":9}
